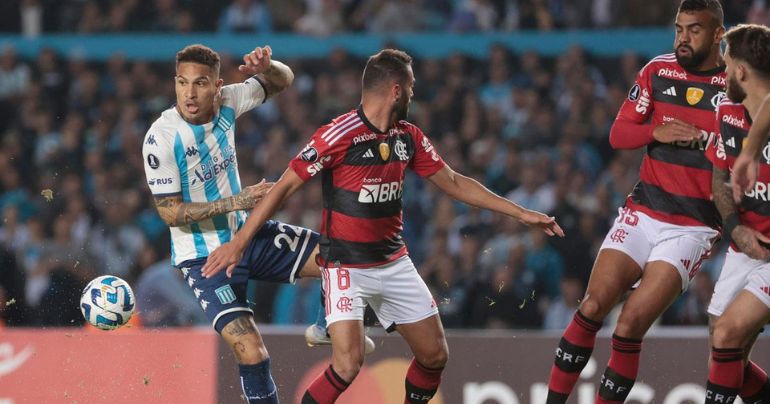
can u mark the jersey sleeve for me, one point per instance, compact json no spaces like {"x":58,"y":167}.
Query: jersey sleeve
{"x":426,"y":160}
{"x":639,"y":104}
{"x":715,"y":150}
{"x":160,"y":166}
{"x":242,"y":97}
{"x":318,"y":155}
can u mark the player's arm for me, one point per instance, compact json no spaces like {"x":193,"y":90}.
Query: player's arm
{"x":274,"y":75}
{"x":746,"y":238}
{"x":177,"y":213}
{"x":229,"y":254}
{"x":473,"y":193}
{"x":746,"y":167}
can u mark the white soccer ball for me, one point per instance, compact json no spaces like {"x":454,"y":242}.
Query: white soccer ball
{"x":107,"y":302}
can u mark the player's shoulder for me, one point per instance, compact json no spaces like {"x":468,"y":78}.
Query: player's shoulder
{"x":164,"y":128}
{"x":341,"y":127}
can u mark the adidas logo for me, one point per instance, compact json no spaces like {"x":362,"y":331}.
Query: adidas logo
{"x":731,"y":142}
{"x":368,"y":154}
{"x":670,"y":91}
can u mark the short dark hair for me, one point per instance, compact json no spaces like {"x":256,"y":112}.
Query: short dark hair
{"x":712,"y":6}
{"x":200,"y":54}
{"x":751,"y":44}
{"x":387,"y":64}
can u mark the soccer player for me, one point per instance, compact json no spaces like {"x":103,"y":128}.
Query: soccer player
{"x":362,"y":157}
{"x":740,"y":305}
{"x":668,"y":223}
{"x":192,"y":171}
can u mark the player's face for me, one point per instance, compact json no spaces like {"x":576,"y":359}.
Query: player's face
{"x":407,"y":92}
{"x":697,"y":36}
{"x":734,"y":91}
{"x":197,"y":87}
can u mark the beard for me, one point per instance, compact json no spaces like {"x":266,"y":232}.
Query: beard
{"x":402,"y":110}
{"x":734,"y":91}
{"x":692,"y":61}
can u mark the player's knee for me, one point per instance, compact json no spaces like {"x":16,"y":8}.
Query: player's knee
{"x":593,"y":308}
{"x":728,"y":333}
{"x":249,"y":350}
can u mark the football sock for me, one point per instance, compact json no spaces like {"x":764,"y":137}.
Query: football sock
{"x":572,"y":355}
{"x":421,"y":383}
{"x":756,"y":385}
{"x":620,"y":375}
{"x":326,"y":388}
{"x":725,"y":375}
{"x":257,"y":383}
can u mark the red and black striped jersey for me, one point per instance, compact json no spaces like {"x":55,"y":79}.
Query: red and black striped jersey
{"x":362,"y":172}
{"x":675,"y":179}
{"x":734,"y":123}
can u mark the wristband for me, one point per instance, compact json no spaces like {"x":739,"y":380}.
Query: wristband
{"x":731,"y":222}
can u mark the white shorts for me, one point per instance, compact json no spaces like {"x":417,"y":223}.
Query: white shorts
{"x":645,"y":239}
{"x":395,"y":291}
{"x":740,"y":272}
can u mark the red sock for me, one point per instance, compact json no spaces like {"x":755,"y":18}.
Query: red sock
{"x":725,"y":375}
{"x":754,"y":379}
{"x":621,"y":372}
{"x":572,"y":355}
{"x":421,"y":383}
{"x":326,"y":388}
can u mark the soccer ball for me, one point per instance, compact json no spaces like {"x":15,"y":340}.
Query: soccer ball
{"x":107,"y":302}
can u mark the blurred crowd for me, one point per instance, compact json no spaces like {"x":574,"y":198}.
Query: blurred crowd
{"x":74,"y":203}
{"x":325,"y":17}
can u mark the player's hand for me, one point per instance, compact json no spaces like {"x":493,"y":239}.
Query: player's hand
{"x":675,"y":131}
{"x":227,"y":256}
{"x":744,"y":175}
{"x":251,"y":195}
{"x":546,"y":223}
{"x":748,"y":240}
{"x":256,"y":61}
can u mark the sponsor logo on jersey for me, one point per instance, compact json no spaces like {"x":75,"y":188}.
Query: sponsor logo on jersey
{"x":633,"y":94}
{"x":694,"y":95}
{"x":310,"y":154}
{"x":719,"y":81}
{"x":377,"y":193}
{"x":733,"y":120}
{"x":316,"y":167}
{"x":644,"y":102}
{"x":429,"y":148}
{"x":152,"y":161}
{"x":700,"y":143}
{"x":672,"y":74}
{"x":160,"y":181}
{"x":364,"y":138}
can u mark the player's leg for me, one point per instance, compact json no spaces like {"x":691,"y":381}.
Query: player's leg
{"x":429,"y":346}
{"x":661,"y":284}
{"x":733,"y":334}
{"x":316,"y":333}
{"x":732,"y":279}
{"x":242,"y":336}
{"x":345,"y":295}
{"x":617,"y":267}
{"x":224,"y":301}
{"x":407,"y":306}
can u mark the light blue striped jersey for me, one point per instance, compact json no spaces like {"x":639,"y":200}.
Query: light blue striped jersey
{"x":198,"y":162}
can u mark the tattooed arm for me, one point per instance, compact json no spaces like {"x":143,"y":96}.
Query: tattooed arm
{"x":177,"y":213}
{"x":746,"y":238}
